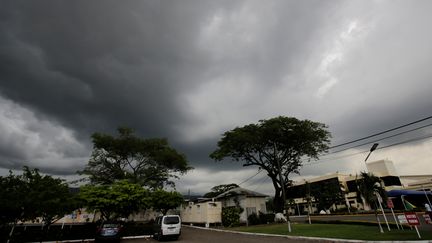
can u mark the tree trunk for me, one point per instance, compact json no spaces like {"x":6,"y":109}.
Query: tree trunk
{"x":278,"y":203}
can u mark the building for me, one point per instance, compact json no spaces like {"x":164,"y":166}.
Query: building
{"x":385,"y":169}
{"x":209,"y":211}
{"x":250,"y":201}
{"x":205,"y":212}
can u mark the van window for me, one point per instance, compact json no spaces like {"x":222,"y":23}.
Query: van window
{"x":171,"y":220}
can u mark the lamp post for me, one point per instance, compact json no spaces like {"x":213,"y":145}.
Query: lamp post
{"x":373,"y":148}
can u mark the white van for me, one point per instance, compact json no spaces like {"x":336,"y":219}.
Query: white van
{"x":168,"y":226}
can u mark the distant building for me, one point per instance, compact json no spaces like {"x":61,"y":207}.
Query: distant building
{"x":209,"y":211}
{"x":384,"y":169}
{"x":250,"y":201}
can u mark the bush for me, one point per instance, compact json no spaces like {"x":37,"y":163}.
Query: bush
{"x":231,"y":216}
{"x":253,"y":219}
{"x":266,"y":218}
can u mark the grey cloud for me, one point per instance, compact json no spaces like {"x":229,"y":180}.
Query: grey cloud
{"x":178,"y":68}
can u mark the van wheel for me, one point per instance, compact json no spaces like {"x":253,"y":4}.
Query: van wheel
{"x":159,"y":236}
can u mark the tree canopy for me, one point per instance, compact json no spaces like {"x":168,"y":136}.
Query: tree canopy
{"x":369,"y":187}
{"x":217,"y":190}
{"x":118,"y":200}
{"x":280,"y":142}
{"x":32,"y":195}
{"x":163,"y":201}
{"x":148,"y":162}
{"x":13,"y":192}
{"x":326,"y":193}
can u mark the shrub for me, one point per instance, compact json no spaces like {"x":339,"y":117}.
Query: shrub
{"x":231,"y":216}
{"x":266,"y":218}
{"x":253,"y":219}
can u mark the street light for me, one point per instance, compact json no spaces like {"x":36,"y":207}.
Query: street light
{"x":379,"y":199}
{"x":374,"y":146}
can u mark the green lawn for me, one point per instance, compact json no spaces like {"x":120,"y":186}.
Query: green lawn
{"x":340,"y":231}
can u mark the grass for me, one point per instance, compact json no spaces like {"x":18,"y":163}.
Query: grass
{"x":338,"y":231}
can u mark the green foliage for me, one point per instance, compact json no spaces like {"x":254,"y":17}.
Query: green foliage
{"x":32,"y":195}
{"x":217,"y":190}
{"x":48,"y":197}
{"x":163,"y":201}
{"x":148,"y":162}
{"x":253,"y":219}
{"x":13,"y":191}
{"x":369,"y":186}
{"x":280,"y":142}
{"x":231,"y":216}
{"x":120,"y":199}
{"x":266,"y":218}
{"x":327,"y":193}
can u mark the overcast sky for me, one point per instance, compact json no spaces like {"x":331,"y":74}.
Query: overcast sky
{"x":191,"y":70}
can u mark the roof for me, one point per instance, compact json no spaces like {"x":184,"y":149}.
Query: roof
{"x":240,"y":191}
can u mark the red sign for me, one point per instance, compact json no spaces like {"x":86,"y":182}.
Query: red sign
{"x":412,"y":218}
{"x":390,"y":203}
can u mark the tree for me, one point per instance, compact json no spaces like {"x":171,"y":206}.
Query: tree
{"x":148,"y":162}
{"x":217,"y":190}
{"x":369,"y":188}
{"x":163,"y":201}
{"x":327,"y":193}
{"x":32,"y":195}
{"x":13,"y":193}
{"x":47,"y":197}
{"x":277,"y":144}
{"x":118,"y":200}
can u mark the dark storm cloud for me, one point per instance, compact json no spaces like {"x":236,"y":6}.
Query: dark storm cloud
{"x":190,"y":70}
{"x":91,"y":66}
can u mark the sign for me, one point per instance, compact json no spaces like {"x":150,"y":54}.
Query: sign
{"x":402,"y":219}
{"x":390,"y":203}
{"x":412,"y":218}
{"x":427,"y":217}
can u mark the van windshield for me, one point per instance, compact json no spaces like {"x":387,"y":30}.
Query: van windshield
{"x":171,"y":220}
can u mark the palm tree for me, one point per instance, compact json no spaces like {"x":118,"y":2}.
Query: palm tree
{"x":370,"y":188}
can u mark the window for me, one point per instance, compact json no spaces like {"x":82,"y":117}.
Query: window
{"x":171,"y":220}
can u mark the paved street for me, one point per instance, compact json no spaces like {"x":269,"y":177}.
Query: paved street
{"x":193,"y":235}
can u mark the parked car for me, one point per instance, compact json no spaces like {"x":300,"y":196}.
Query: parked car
{"x":168,"y":226}
{"x":109,"y":232}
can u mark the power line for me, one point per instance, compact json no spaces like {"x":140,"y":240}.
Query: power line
{"x":379,"y":133}
{"x":374,"y":141}
{"x":247,"y":179}
{"x":262,"y":182}
{"x":366,"y":151}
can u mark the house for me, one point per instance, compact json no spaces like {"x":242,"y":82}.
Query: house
{"x":204,"y":212}
{"x":250,"y":201}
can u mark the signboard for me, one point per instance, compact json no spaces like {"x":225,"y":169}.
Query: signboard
{"x":427,"y":217}
{"x":412,"y":218}
{"x":402,"y":219}
{"x":390,"y":203}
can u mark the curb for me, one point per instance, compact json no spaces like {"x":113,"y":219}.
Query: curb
{"x":318,"y":239}
{"x":92,"y":240}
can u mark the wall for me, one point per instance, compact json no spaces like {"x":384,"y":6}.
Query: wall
{"x":202,"y":213}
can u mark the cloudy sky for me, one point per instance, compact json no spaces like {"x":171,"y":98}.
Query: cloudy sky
{"x":191,"y":70}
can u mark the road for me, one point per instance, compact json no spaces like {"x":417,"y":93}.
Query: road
{"x":194,"y":235}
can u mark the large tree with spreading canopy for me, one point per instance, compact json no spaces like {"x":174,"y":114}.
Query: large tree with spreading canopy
{"x":277,"y":144}
{"x":147,"y":162}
